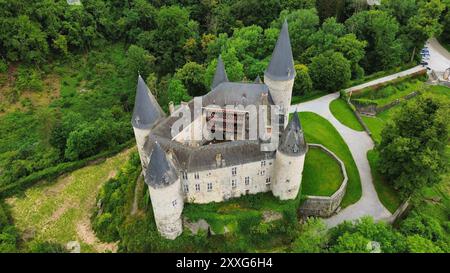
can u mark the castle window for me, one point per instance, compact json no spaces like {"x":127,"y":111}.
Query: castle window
{"x":184,"y":175}
{"x":209,"y":186}
{"x":197,"y":187}
{"x":233,"y":183}
{"x":287,"y":181}
{"x":247,"y":181}
{"x":267,"y":180}
{"x":174,"y":203}
{"x":196,"y":176}
{"x":263,"y":163}
{"x":263,"y":172}
{"x":234,"y":171}
{"x":186,"y":188}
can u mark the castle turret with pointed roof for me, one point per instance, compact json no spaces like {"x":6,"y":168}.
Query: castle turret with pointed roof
{"x":165,"y":193}
{"x":289,"y":160}
{"x":280,"y":74}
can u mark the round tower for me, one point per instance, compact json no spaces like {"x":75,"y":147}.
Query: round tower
{"x":280,"y":74}
{"x":165,"y":193}
{"x":146,"y":112}
{"x":290,"y":158}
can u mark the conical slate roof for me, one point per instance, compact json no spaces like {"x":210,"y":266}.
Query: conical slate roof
{"x":160,"y":172}
{"x":146,"y":109}
{"x":221,"y":74}
{"x":292,"y":141}
{"x":281,"y":65}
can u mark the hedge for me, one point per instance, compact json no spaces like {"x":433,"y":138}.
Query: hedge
{"x":55,"y":171}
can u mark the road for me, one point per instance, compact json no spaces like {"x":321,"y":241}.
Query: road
{"x":439,"y":57}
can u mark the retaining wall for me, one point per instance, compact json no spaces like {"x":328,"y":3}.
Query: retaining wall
{"x":325,"y":206}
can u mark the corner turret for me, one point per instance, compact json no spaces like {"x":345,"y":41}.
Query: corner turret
{"x":280,"y":74}
{"x":146,"y":113}
{"x":165,"y":193}
{"x":290,"y":158}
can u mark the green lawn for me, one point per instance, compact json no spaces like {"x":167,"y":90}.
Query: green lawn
{"x":386,"y":193}
{"x":60,"y":211}
{"x":319,"y":130}
{"x":322,"y":174}
{"x":342,"y":112}
{"x":307,"y":97}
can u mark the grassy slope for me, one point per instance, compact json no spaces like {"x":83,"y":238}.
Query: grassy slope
{"x":390,"y":93}
{"x":317,"y":182}
{"x":342,"y":112}
{"x":387,"y":195}
{"x":60,"y":211}
{"x":377,"y":123}
{"x":319,"y":130}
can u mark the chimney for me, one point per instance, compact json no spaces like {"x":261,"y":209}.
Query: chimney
{"x":171,"y":107}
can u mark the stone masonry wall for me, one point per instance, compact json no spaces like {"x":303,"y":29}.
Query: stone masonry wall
{"x":325,"y":206}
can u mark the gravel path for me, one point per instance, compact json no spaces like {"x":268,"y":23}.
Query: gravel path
{"x":439,"y":56}
{"x":359,"y":143}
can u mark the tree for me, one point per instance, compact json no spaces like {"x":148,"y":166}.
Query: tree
{"x":330,"y":71}
{"x":176,"y":92}
{"x":417,"y":244}
{"x":402,"y":10}
{"x":351,"y":243}
{"x":303,"y":82}
{"x":139,"y":61}
{"x":380,"y":29}
{"x":193,"y":77}
{"x":167,"y":41}
{"x":313,"y":237}
{"x":412,"y":149}
{"x":425,"y":24}
{"x":255,"y":12}
{"x":22,"y":39}
{"x":298,"y":4}
{"x":353,"y":50}
{"x":302,"y":24}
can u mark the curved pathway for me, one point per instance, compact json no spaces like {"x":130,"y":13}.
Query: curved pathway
{"x":359,"y":143}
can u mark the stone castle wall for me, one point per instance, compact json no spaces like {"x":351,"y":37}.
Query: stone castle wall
{"x":325,"y":206}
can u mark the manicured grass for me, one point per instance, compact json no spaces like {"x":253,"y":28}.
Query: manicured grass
{"x":386,"y":193}
{"x":342,"y":112}
{"x":307,"y":97}
{"x":377,"y":123}
{"x":60,"y":211}
{"x":322,"y":174}
{"x":319,"y":130}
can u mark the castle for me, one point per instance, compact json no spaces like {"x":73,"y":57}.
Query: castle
{"x":185,"y":168}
